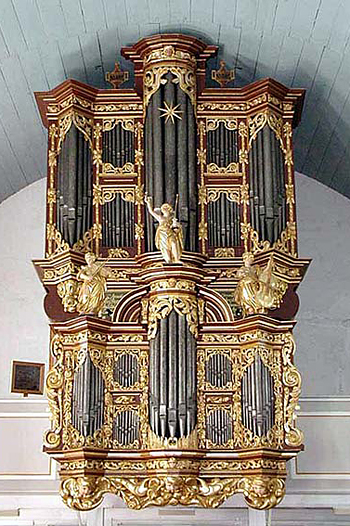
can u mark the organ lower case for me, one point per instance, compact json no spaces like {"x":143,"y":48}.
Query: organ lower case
{"x":176,"y":392}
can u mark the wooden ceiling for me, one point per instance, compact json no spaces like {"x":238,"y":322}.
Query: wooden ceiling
{"x":301,"y":43}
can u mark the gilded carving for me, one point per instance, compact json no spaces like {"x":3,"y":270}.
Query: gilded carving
{"x":184,"y":74}
{"x":259,"y":120}
{"x":258,"y":289}
{"x":292,"y":381}
{"x":225,"y":252}
{"x":232,"y":194}
{"x":160,"y":306}
{"x":214,"y":169}
{"x":102,"y":194}
{"x":127,"y":170}
{"x":85,"y":244}
{"x":68,"y":292}
{"x":92,"y":291}
{"x":213,"y":124}
{"x":54,"y":385}
{"x":169,"y":235}
{"x":86,"y":493}
{"x":118,"y":253}
{"x":55,"y":237}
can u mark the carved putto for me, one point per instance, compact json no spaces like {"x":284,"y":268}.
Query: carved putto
{"x":258,"y":289}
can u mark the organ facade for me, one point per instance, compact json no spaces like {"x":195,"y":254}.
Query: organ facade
{"x":172,"y":379}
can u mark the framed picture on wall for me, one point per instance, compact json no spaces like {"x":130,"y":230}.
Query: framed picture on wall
{"x":27,"y":378}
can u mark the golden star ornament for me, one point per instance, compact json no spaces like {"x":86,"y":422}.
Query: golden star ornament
{"x":170,"y":112}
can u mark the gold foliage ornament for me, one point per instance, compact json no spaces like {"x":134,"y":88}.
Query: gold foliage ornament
{"x":258,"y":290}
{"x":160,"y":307}
{"x":86,"y":493}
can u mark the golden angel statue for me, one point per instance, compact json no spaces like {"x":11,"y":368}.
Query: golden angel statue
{"x":258,"y":290}
{"x":169,"y":237}
{"x":92,"y":292}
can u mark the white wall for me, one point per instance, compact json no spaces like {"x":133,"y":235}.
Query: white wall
{"x":23,"y":323}
{"x":323,"y":330}
{"x":321,"y":476}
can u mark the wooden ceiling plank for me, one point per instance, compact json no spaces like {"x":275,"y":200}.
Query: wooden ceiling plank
{"x":52,"y":64}
{"x":246,"y":11}
{"x":269,"y":53}
{"x":180,"y":10}
{"x":137,"y":11}
{"x":320,"y":90}
{"x":94,"y":15}
{"x":31,"y":22}
{"x":340,"y":36}
{"x":324,"y":25}
{"x":305,"y":16}
{"x":53,"y":18}
{"x":248,"y":54}
{"x":72,"y":59}
{"x":265,"y":16}
{"x":284,"y":15}
{"x":110,"y":44}
{"x":11,"y":28}
{"x":26,"y":146}
{"x":22,"y":97}
{"x":308,"y":65}
{"x":289,"y":59}
{"x":74,"y":18}
{"x":115,"y":13}
{"x":329,"y":113}
{"x":10,"y":164}
{"x":92,"y":59}
{"x":202,"y":12}
{"x":159,"y":11}
{"x":338,"y":145}
{"x":229,"y":42}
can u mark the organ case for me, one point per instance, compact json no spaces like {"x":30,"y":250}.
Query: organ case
{"x":181,"y":389}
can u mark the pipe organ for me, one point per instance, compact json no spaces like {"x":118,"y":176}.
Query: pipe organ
{"x":171,"y":270}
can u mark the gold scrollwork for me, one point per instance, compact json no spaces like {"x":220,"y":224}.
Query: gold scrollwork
{"x":186,"y":442}
{"x":225,"y":252}
{"x":259,"y":120}
{"x":127,"y":170}
{"x":203,"y":230}
{"x":85,"y":244}
{"x":214,"y":169}
{"x":54,"y":385}
{"x":102,"y":195}
{"x":160,"y":306}
{"x":139,"y":231}
{"x":119,"y":253}
{"x":84,"y":124}
{"x":54,"y":236}
{"x":292,"y":381}
{"x":232,"y":194}
{"x":185,"y":77}
{"x":213,"y":124}
{"x":86,"y":493}
{"x":286,"y":242}
{"x":68,"y":292}
{"x":172,"y":283}
{"x":126,"y":124}
{"x":169,"y":53}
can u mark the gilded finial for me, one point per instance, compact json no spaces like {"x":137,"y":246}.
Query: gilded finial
{"x":117,"y":76}
{"x":223,"y":75}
